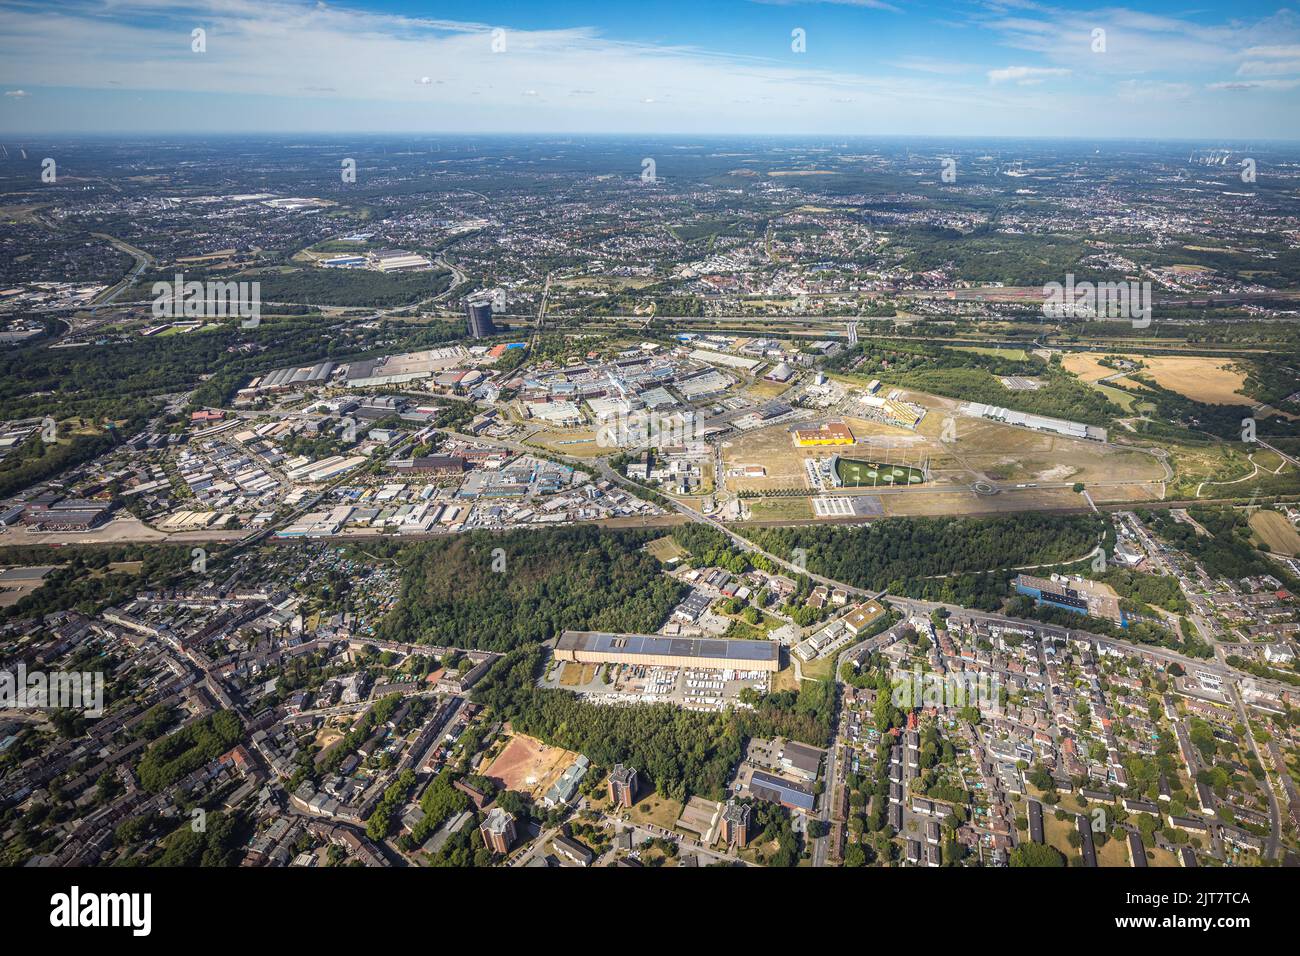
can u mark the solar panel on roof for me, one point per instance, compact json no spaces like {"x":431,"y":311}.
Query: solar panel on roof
{"x":670,"y":646}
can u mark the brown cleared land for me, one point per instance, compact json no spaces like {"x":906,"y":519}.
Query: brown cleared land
{"x":979,"y":450}
{"x":528,"y":765}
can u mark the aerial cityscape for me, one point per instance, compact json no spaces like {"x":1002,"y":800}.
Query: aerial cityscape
{"x":420,"y":492}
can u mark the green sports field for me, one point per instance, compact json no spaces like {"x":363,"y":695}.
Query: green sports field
{"x":854,"y":473}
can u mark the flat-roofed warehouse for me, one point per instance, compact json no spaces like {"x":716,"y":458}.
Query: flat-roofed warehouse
{"x":592,"y":647}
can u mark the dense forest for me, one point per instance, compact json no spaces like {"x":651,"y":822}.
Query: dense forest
{"x":171,"y":758}
{"x":349,"y":287}
{"x":498,"y":592}
{"x":893,"y":553}
{"x":1158,"y":590}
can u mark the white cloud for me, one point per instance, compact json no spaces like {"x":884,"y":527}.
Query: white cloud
{"x":1268,"y":67}
{"x":1274,"y":51}
{"x":1140,"y":91}
{"x":304,"y":66}
{"x":1024,"y":75}
{"x":929,"y":64}
{"x":1137,"y":43}
{"x":278,"y":48}
{"x":1272,"y":85}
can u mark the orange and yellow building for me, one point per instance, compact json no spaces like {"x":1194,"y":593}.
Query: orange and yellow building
{"x":827,"y":433}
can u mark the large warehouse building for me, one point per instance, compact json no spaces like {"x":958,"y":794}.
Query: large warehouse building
{"x":1040,"y":423}
{"x":592,"y":647}
{"x":827,"y":433}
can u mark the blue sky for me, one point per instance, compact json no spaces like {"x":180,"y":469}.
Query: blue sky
{"x":1210,"y":71}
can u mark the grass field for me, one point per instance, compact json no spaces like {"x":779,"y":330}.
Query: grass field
{"x":1269,"y":460}
{"x":576,"y":675}
{"x":1016,"y":355}
{"x":1275,"y":531}
{"x":780,"y":509}
{"x":1120,"y":397}
{"x":784,"y":679}
{"x":656,"y":809}
{"x":665,"y":549}
{"x":821,"y":669}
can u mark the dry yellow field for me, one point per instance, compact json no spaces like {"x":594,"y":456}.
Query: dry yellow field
{"x":576,"y":675}
{"x":1086,"y":367}
{"x":575,"y":442}
{"x":939,"y":504}
{"x":1275,"y":531}
{"x":775,"y":450}
{"x":1200,"y":378}
{"x":1210,"y":380}
{"x":765,"y":390}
